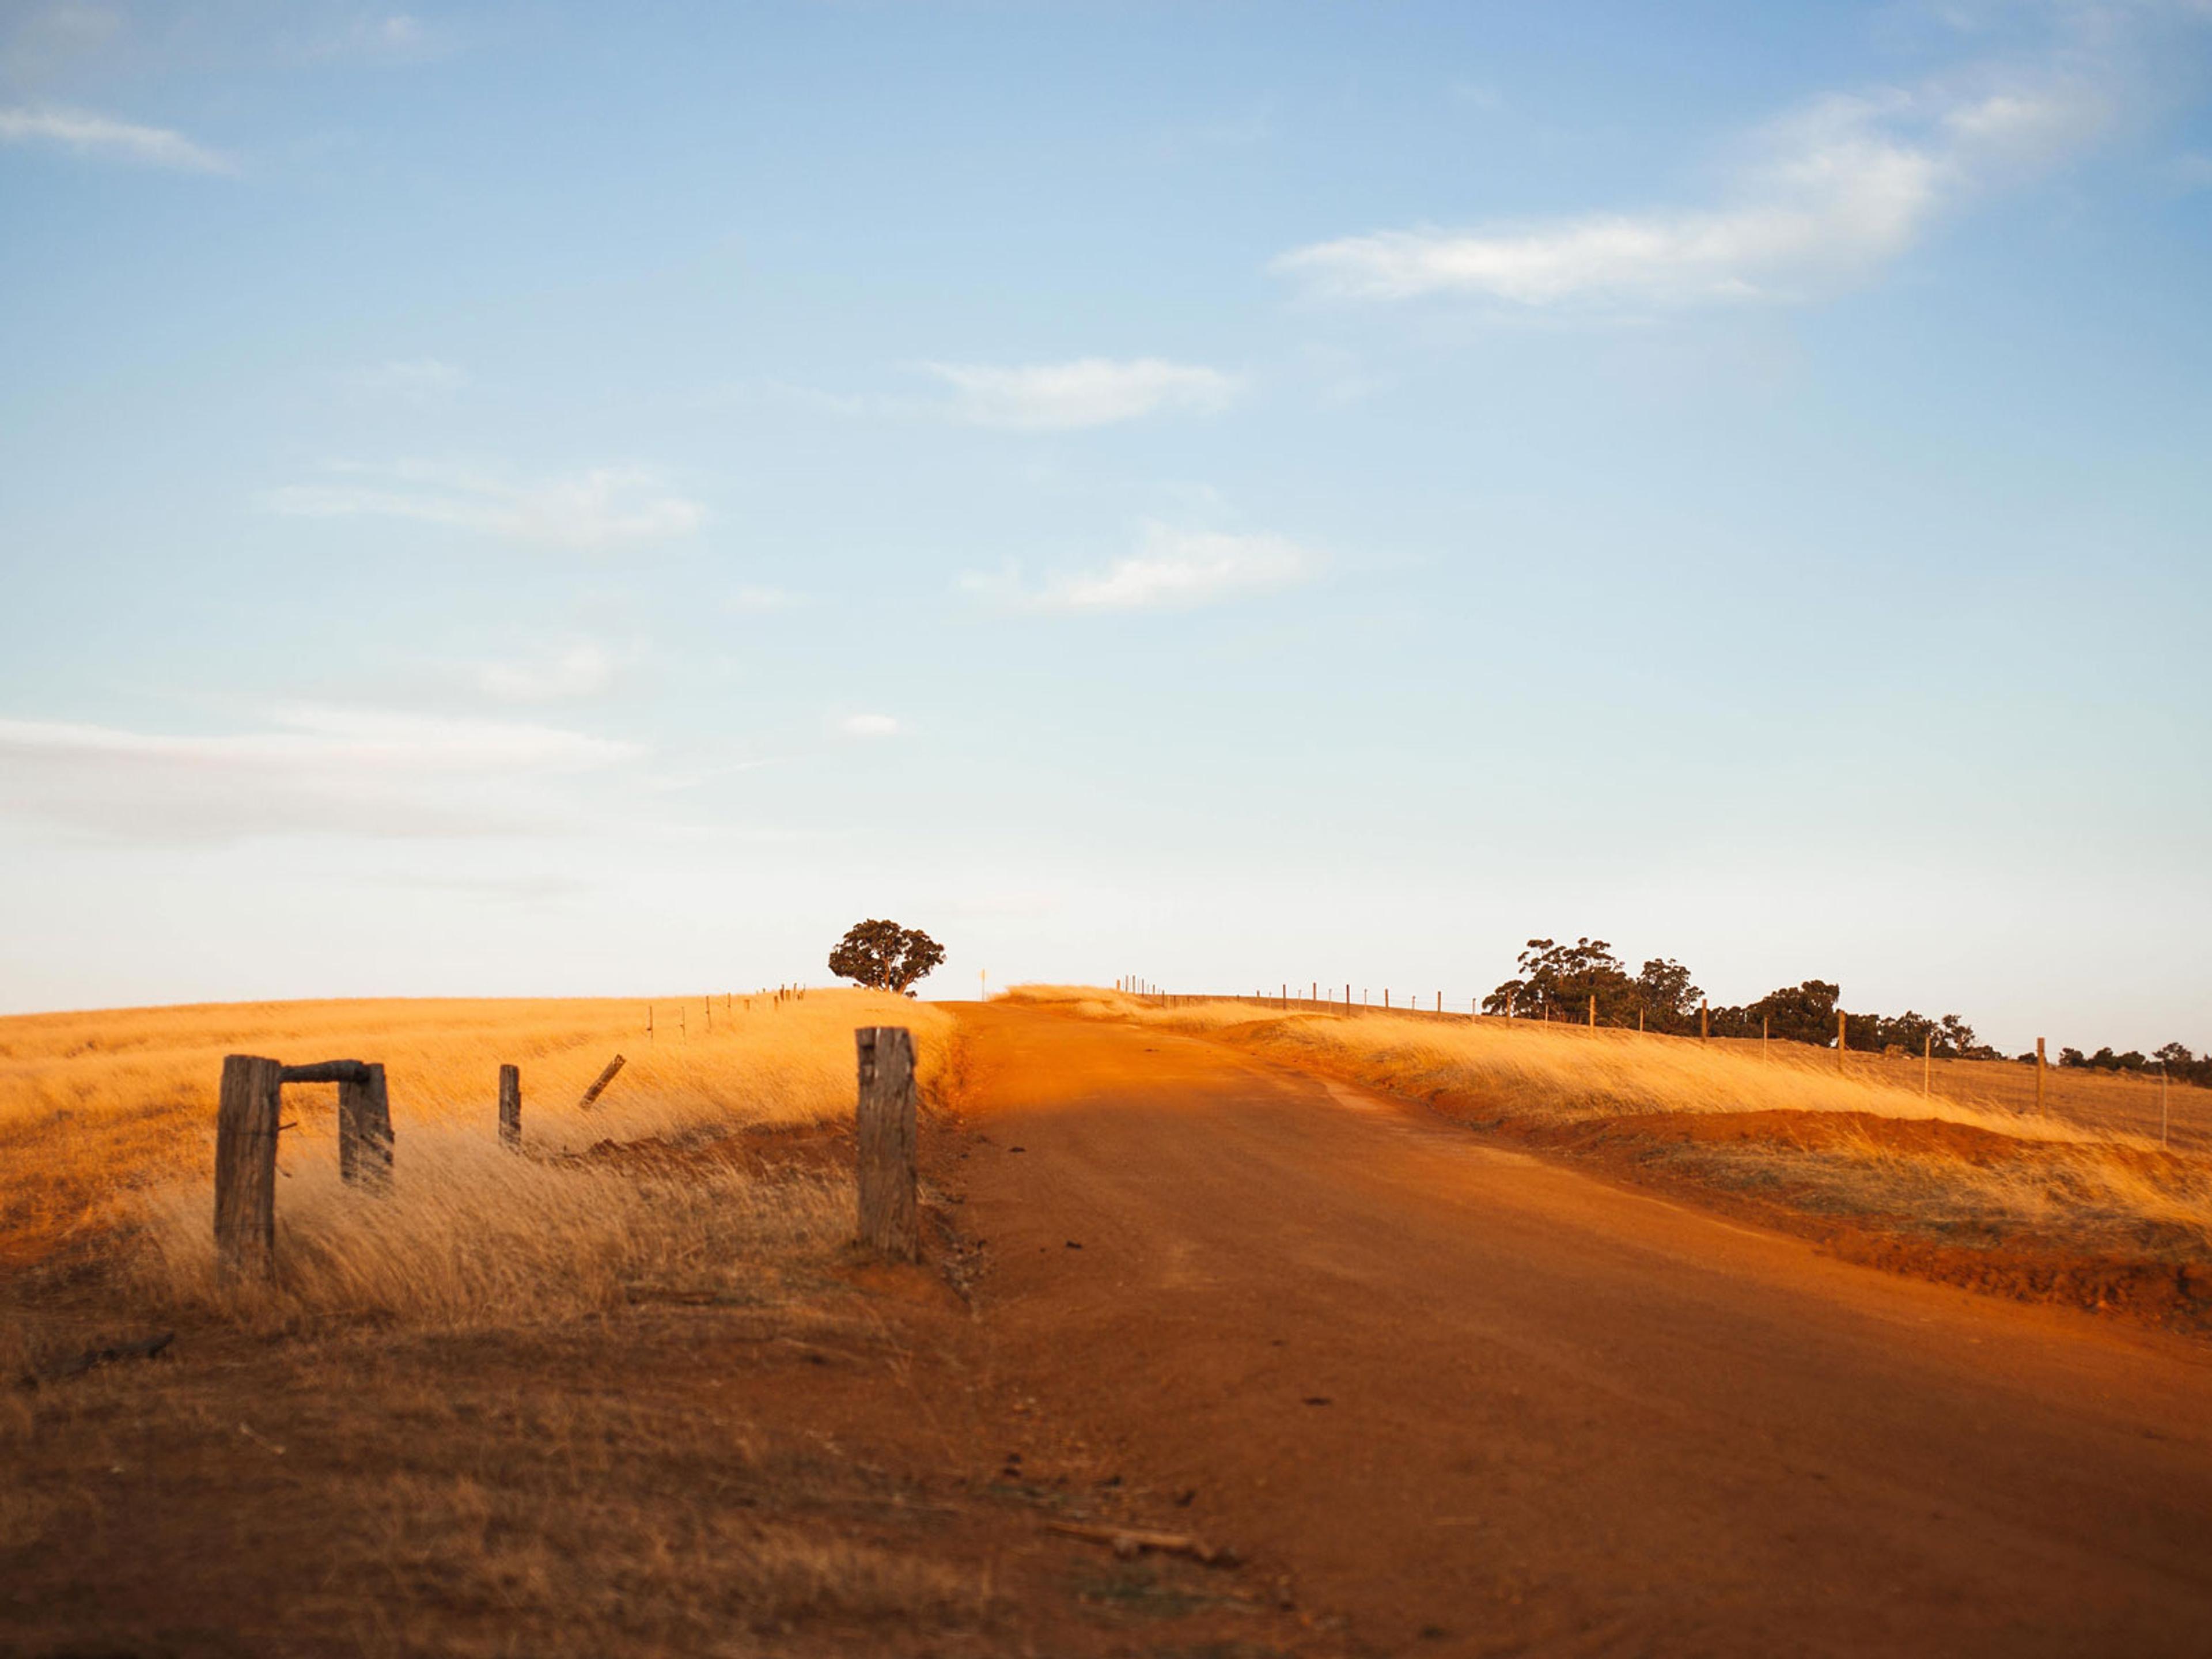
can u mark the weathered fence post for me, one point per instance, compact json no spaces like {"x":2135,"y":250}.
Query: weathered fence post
{"x":2038,"y":1077}
{"x":365,"y":1128}
{"x":246,"y":1166}
{"x":510,"y":1107}
{"x":1593,"y":1011}
{"x":1842,"y":1031}
{"x":1705,"y":1020}
{"x":888,"y":1221}
{"x":1927,"y":1061}
{"x":599,"y":1084}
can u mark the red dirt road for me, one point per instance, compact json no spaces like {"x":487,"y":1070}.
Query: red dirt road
{"x":1476,"y":1403}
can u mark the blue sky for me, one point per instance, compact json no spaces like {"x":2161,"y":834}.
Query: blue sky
{"x":539,"y":499}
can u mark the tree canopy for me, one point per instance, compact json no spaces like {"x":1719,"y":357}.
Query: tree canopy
{"x":885,"y":956}
{"x":1558,"y":981}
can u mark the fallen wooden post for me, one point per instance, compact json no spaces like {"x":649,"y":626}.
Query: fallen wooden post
{"x":510,"y":1107}
{"x":1130,"y":1542}
{"x":599,"y":1085}
{"x":889,"y":1214}
{"x":246,"y":1166}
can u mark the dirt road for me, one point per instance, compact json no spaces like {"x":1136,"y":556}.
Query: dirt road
{"x":1476,"y":1403}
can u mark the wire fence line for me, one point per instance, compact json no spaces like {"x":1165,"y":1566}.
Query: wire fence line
{"x":2175,"y":1114}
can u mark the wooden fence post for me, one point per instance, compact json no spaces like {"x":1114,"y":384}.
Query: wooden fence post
{"x":1927,"y":1061}
{"x":1705,"y":1020}
{"x":2038,"y":1077}
{"x":365,"y":1128}
{"x":889,"y":1220}
{"x":1842,"y":1031}
{"x":246,"y":1166}
{"x":510,"y":1107}
{"x":1593,"y":1011}
{"x":599,"y":1084}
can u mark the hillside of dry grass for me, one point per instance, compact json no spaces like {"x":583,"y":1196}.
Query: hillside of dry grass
{"x":106,"y":1127}
{"x":631,"y":1390}
{"x":1961,"y":1184}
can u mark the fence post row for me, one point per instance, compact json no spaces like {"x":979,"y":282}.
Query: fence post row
{"x":890,"y":1221}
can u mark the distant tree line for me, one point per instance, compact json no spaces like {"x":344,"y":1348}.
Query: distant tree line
{"x":2174,"y":1060}
{"x":1557,"y":981}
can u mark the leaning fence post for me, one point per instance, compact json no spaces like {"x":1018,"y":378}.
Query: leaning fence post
{"x":510,"y":1107}
{"x":365,"y":1128}
{"x":246,"y":1166}
{"x":885,"y":1123}
{"x":599,"y":1084}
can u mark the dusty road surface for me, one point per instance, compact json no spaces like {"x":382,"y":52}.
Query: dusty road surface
{"x":1474,"y":1403}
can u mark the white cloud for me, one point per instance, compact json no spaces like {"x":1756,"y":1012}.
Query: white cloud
{"x":753,"y":601}
{"x":380,"y":37}
{"x":88,"y":134}
{"x":1088,"y":392}
{"x":601,"y":508}
{"x":1836,"y":191}
{"x":414,"y":377}
{"x":309,"y":769}
{"x":578,"y":670}
{"x":1172,"y":570}
{"x":869,"y":726}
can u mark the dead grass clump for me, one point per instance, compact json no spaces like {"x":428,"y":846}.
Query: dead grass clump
{"x":469,"y":1234}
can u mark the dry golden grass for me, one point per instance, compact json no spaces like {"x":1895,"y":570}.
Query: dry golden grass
{"x":107,"y":1122}
{"x":2103,"y":1190}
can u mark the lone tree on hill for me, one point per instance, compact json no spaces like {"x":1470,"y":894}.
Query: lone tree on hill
{"x":885,"y":956}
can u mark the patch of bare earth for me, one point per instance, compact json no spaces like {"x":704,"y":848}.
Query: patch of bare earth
{"x":802,"y":1458}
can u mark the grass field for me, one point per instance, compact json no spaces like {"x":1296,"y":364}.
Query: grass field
{"x":473,"y":1415}
{"x":1963,"y":1169}
{"x":106,"y":1135}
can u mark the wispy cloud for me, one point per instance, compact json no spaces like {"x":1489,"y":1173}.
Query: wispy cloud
{"x":753,"y":601}
{"x":413,"y":377}
{"x":580,"y":669}
{"x":88,"y":134}
{"x":1835,"y":191}
{"x":308,"y":769}
{"x":389,"y":36}
{"x":869,"y":726}
{"x":1087,"y":392}
{"x":600,"y":508}
{"x":1172,"y":569}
